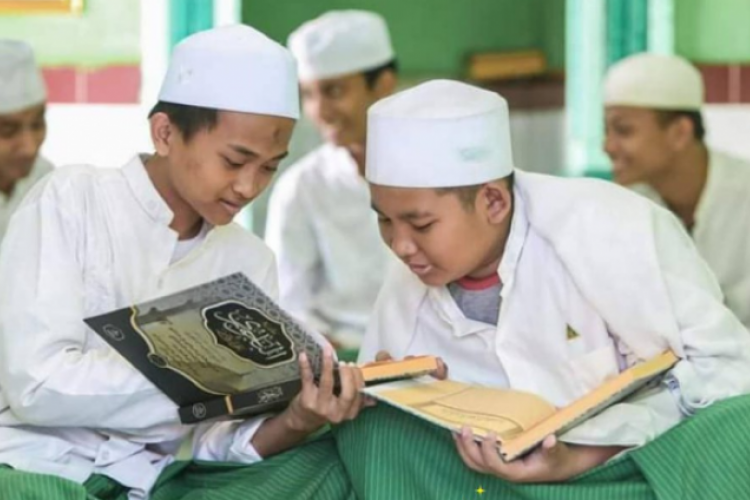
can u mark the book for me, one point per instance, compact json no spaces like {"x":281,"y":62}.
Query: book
{"x":225,"y":349}
{"x":490,"y":66}
{"x":520,"y":420}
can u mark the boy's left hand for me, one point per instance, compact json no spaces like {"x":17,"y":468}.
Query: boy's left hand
{"x":553,"y":461}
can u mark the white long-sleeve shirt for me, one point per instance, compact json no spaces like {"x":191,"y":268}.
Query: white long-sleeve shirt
{"x":324,"y":232}
{"x":722,"y":228}
{"x":9,"y":203}
{"x":589,"y":257}
{"x":87,"y":241}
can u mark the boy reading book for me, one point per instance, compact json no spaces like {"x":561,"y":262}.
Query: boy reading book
{"x":536,"y":283}
{"x":87,"y":241}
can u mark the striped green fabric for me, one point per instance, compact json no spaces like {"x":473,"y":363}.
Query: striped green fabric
{"x":310,"y":471}
{"x":389,"y":454}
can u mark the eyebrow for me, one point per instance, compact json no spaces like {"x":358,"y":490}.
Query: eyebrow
{"x":244,"y":151}
{"x":410,"y":215}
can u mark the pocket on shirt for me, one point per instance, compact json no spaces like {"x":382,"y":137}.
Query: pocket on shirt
{"x":593,"y":368}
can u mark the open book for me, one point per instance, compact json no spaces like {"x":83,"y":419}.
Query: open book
{"x":225,"y":349}
{"x":521,"y":420}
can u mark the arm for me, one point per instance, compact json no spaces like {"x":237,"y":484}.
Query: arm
{"x":290,"y":234}
{"x":47,"y":373}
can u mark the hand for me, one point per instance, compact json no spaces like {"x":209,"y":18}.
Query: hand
{"x":553,"y":461}
{"x":441,"y":373}
{"x":316,"y":405}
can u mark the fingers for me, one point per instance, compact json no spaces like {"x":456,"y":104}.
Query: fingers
{"x":326,"y":373}
{"x":350,"y":399}
{"x":306,"y":372}
{"x":490,"y":456}
{"x":383,"y":356}
{"x":442,"y":372}
{"x":469,"y":450}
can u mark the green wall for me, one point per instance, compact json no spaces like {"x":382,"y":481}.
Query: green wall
{"x":107,"y":32}
{"x":433,"y":37}
{"x":713,"y":31}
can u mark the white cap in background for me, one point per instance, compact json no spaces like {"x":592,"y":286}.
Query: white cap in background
{"x":441,"y":133}
{"x":233,"y":68}
{"x":21,"y":82}
{"x":339,"y":43}
{"x":654,"y":81}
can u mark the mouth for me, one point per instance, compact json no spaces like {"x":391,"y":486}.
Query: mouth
{"x":232,"y":208}
{"x":420,"y":269}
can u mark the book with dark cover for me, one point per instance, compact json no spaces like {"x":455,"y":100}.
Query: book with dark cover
{"x":219,"y":349}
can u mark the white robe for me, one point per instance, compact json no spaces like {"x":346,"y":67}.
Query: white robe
{"x":619,"y":271}
{"x":722,"y":228}
{"x":331,"y":258}
{"x":84,"y":242}
{"x":8,"y":204}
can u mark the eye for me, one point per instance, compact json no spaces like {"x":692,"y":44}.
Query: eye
{"x":272,"y":169}
{"x":424,"y":227}
{"x":383,"y":220}
{"x":232,"y":164}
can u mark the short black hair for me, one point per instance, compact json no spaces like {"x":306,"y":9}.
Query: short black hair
{"x":372,"y":75}
{"x":467,"y":195}
{"x":188,"y":119}
{"x":695,"y":117}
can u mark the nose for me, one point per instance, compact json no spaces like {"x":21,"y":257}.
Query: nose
{"x":247,"y":185}
{"x":402,"y":245}
{"x":319,"y":109}
{"x":609,"y":145}
{"x":28,"y":144}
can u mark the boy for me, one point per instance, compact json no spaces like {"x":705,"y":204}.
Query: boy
{"x":22,"y":126}
{"x":654,"y":137}
{"x":331,"y":258}
{"x":537,"y":283}
{"x":87,"y":241}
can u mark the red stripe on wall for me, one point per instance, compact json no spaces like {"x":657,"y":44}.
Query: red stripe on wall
{"x":110,"y":85}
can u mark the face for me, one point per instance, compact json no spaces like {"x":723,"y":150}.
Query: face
{"x":640,"y":147}
{"x":338,"y":106}
{"x":439,"y":238}
{"x":21,"y":135}
{"x":219,"y":171}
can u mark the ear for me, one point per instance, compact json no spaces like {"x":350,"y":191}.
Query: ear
{"x":495,"y":201}
{"x":681,"y":133}
{"x":163,"y":133}
{"x":385,"y":84}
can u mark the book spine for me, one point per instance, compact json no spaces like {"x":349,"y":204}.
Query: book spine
{"x":267,"y":399}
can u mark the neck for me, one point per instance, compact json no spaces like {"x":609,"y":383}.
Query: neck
{"x":357,"y":152}
{"x":186,"y":222}
{"x":683,"y":183}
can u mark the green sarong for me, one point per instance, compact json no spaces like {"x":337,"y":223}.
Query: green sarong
{"x":310,"y":471}
{"x":389,"y":454}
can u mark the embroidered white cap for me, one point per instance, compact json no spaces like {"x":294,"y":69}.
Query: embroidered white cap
{"x":341,"y":42}
{"x":441,"y":133}
{"x":654,"y":81}
{"x":233,"y":68}
{"x":21,"y":82}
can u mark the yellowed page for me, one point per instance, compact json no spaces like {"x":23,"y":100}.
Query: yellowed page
{"x":453,"y":405}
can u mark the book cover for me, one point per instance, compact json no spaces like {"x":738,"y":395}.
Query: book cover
{"x":521,"y":420}
{"x":219,"y":339}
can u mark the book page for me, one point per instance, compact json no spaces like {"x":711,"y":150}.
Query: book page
{"x":453,"y":405}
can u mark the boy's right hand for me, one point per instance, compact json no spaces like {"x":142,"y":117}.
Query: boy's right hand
{"x":441,"y":373}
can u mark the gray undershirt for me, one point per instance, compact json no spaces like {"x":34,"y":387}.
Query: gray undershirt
{"x":478,"y":305}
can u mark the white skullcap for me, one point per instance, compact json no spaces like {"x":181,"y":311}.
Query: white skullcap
{"x":233,"y":68}
{"x":439,"y":134}
{"x":21,"y":82}
{"x":654,"y":81}
{"x":341,"y":42}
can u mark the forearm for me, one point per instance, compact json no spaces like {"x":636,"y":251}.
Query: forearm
{"x":584,"y":458}
{"x":278,"y":434}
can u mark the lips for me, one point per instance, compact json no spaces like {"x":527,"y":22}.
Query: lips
{"x":232,"y":208}
{"x":420,"y":269}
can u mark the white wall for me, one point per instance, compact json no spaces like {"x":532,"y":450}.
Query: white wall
{"x":101,"y":135}
{"x":728,"y":128}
